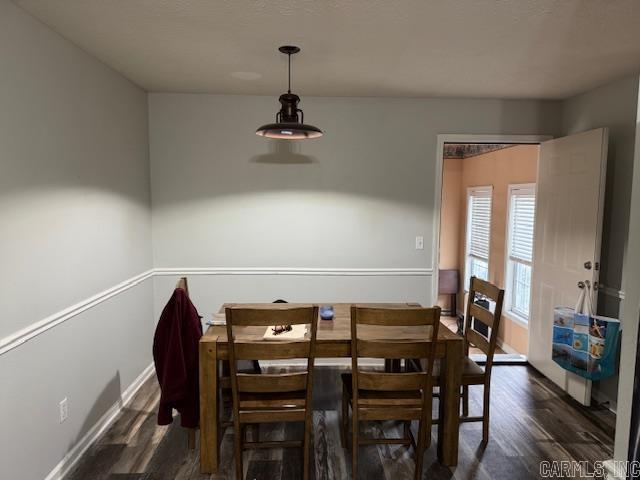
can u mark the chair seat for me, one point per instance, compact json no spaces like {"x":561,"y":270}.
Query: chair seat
{"x":411,"y":398}
{"x":472,"y":373}
{"x":272,"y":401}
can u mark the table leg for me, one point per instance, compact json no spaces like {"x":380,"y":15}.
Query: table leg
{"x":449,"y":405}
{"x":209,"y":446}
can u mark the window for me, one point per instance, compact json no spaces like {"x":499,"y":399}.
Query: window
{"x":522,"y":204}
{"x":478,"y":232}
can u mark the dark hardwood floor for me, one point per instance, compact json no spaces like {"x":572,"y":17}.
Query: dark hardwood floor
{"x":531,"y":421}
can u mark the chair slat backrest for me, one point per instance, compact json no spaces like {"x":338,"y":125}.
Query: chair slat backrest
{"x":271,"y":383}
{"x":491,"y":319}
{"x":273,"y":314}
{"x":416,"y":347}
{"x":239,"y":349}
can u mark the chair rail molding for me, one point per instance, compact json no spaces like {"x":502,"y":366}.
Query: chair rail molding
{"x":297,"y":271}
{"x":22,"y":336}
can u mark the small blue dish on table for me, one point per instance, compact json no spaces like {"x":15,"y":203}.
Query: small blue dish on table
{"x":326,"y":312}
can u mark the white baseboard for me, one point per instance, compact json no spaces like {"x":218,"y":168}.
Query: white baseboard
{"x":507,"y":348}
{"x":70,"y":459}
{"x":608,"y":403}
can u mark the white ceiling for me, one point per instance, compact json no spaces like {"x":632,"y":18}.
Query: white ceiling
{"x":461,"y":48}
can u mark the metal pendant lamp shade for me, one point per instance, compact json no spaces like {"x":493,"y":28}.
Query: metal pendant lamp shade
{"x":289,"y":123}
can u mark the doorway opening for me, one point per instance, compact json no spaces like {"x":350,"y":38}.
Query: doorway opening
{"x":487,"y":208}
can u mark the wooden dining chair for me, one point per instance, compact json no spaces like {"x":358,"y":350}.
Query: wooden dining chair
{"x":474,"y":374}
{"x":375,"y":395}
{"x":267,"y":397}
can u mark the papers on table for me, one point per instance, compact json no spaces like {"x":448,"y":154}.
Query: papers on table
{"x":219,"y":319}
{"x":297,"y":332}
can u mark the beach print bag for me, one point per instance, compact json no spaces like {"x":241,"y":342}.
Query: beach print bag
{"x":583,"y":343}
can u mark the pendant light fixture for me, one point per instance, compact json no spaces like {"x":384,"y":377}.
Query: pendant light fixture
{"x":289,"y":125}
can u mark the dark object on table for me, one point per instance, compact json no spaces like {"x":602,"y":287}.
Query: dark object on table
{"x":326,"y":312}
{"x":449,"y":284}
{"x":278,"y":329}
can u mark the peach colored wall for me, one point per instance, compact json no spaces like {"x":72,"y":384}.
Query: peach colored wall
{"x":500,"y":169}
{"x":450,"y":213}
{"x":450,"y":230}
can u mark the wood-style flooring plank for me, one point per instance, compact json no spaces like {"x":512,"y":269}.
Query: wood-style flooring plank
{"x":97,"y":462}
{"x":292,"y":460}
{"x":264,"y":470}
{"x":329,"y":455}
{"x":144,"y":403}
{"x":172,"y":460}
{"x":369,"y":461}
{"x":531,"y":420}
{"x":398,"y":461}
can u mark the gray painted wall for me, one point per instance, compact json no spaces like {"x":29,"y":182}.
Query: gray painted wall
{"x":74,"y":188}
{"x":613,"y":105}
{"x":630,"y":310}
{"x":75,"y":210}
{"x":356,"y":198}
{"x":71,"y":129}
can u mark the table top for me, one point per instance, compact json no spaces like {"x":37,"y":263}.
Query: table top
{"x":337,"y":330}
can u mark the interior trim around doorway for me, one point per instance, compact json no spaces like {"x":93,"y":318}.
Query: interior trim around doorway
{"x":463,"y":138}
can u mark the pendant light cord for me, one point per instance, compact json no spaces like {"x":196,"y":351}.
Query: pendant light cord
{"x":289,"y":90}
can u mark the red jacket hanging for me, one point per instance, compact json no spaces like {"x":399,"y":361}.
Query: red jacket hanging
{"x":175,"y":353}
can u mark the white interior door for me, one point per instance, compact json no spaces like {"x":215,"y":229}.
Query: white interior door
{"x":568,"y":226}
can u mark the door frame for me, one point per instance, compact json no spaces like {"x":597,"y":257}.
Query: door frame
{"x":463,"y":138}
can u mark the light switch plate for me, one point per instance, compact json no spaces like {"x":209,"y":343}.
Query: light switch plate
{"x":420,"y":243}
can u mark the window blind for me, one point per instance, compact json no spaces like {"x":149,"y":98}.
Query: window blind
{"x":523,"y":205}
{"x":480,"y":223}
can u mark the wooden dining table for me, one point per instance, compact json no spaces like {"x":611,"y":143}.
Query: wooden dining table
{"x":333,"y":341}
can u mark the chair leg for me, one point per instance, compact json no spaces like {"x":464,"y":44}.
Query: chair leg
{"x":344,"y":421}
{"x":465,"y":400}
{"x":354,"y":443}
{"x":421,"y":447}
{"x":428,"y":422}
{"x":306,"y":448}
{"x":237,"y":441}
{"x":485,"y":413}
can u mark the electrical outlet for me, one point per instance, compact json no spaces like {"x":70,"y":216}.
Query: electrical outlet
{"x":420,"y":243}
{"x":64,"y":409}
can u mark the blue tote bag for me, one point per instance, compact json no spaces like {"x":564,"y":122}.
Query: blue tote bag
{"x":584,"y":343}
